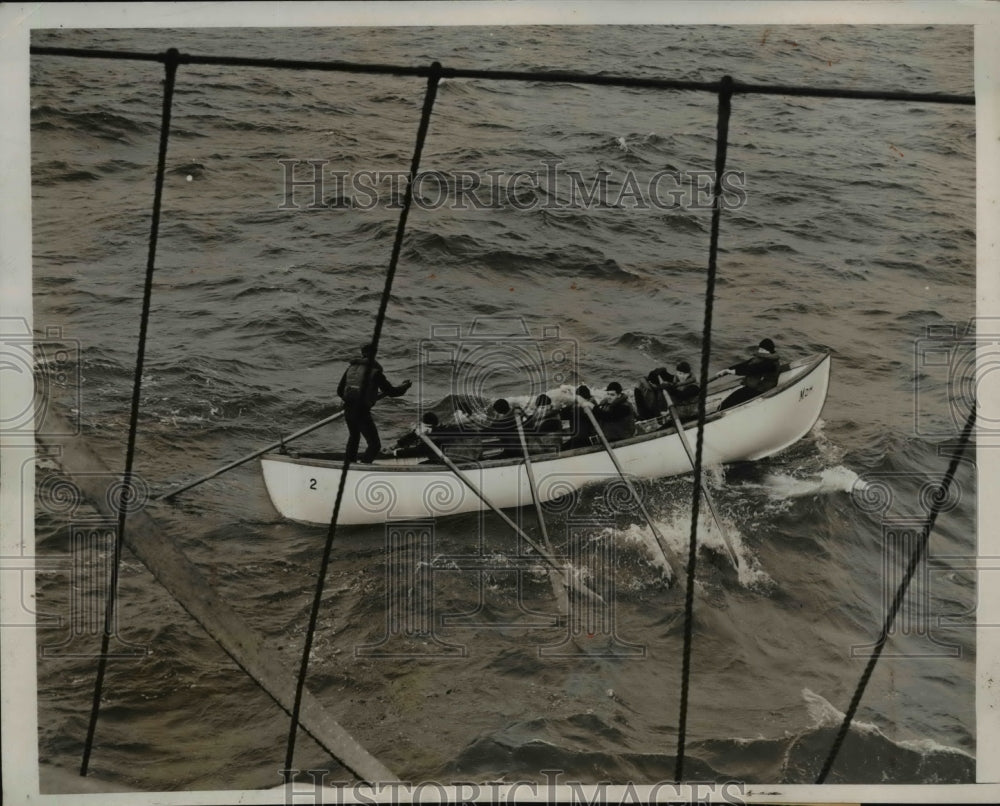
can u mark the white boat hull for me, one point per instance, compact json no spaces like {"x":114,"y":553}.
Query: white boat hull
{"x":305,"y":489}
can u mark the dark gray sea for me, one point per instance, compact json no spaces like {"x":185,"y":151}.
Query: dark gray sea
{"x":849,"y":228}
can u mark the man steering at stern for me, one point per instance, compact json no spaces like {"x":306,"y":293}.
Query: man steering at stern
{"x":359,"y":395}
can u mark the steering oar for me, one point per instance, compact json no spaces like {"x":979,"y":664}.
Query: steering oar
{"x":300,"y":433}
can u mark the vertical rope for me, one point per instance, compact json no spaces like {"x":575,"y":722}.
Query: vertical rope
{"x":915,"y":559}
{"x":432,"y":82}
{"x":170,"y":65}
{"x":721,"y":147}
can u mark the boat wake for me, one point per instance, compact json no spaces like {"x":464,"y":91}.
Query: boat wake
{"x":838,"y":479}
{"x":676,"y":531}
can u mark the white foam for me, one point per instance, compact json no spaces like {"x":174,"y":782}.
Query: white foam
{"x":676,"y":533}
{"x":824,"y":715}
{"x":838,"y":479}
{"x":714,"y":475}
{"x":928,"y":746}
{"x":830,"y":452}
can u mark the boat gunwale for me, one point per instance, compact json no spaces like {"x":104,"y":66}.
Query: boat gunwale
{"x":810,"y":365}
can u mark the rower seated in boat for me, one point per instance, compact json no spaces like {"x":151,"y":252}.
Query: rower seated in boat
{"x":580,"y":428}
{"x":543,"y":428}
{"x":759,"y":372}
{"x":501,"y":430}
{"x":649,"y":402}
{"x":615,"y":414}
{"x":683,"y":390}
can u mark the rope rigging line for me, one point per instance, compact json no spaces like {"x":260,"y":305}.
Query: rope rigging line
{"x":721,"y":148}
{"x":170,"y":68}
{"x":545,"y":76}
{"x":352,"y":445}
{"x":919,"y":553}
{"x":725,"y":89}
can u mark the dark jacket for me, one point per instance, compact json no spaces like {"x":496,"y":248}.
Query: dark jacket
{"x":349,"y":389}
{"x":759,"y":372}
{"x":543,"y":430}
{"x":683,"y":391}
{"x":648,"y":400}
{"x":501,"y":430}
{"x":617,"y":418}
{"x":580,"y":427}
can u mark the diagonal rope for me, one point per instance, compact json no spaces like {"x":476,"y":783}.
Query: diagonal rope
{"x":170,"y":66}
{"x":721,"y":147}
{"x":725,"y":89}
{"x":919,"y":553}
{"x":352,"y":444}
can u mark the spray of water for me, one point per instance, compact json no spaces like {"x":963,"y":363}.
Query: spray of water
{"x":838,"y":479}
{"x":676,"y":531}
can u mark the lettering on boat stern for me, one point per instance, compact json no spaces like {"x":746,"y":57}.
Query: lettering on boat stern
{"x":804,"y":393}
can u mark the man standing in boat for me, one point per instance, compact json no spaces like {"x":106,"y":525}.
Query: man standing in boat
{"x":760,"y":373}
{"x":359,"y":395}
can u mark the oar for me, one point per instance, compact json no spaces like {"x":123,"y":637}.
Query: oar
{"x":567,"y":581}
{"x":664,"y":548}
{"x":300,"y":433}
{"x":560,"y":592}
{"x":704,"y":485}
{"x":250,"y":456}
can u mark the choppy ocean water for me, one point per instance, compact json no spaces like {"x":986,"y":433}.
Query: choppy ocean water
{"x":855,"y":236}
